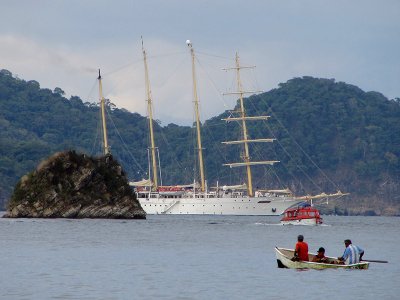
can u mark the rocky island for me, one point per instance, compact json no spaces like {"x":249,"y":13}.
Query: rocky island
{"x":73,"y":185}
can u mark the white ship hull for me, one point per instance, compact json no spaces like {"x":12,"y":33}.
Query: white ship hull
{"x":254,"y":206}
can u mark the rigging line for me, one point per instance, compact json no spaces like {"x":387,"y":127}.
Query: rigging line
{"x":166,"y":55}
{"x":213,"y":138}
{"x":302,"y":150}
{"x":110,"y":89}
{"x":250,"y":79}
{"x":123,"y":142}
{"x":194,"y":146}
{"x":193,"y":136}
{"x":284,"y":149}
{"x":219,"y":124}
{"x":92,"y":90}
{"x":170,"y":148}
{"x":213,"y":84}
{"x":148,"y":141}
{"x":214,"y":55}
{"x":257,"y":85}
{"x":224,"y":159}
{"x":167,"y":143}
{"x":272,"y":171}
{"x":174,"y":71}
{"x":121,"y":68}
{"x":232,"y":86}
{"x":164,"y":138}
{"x":287,"y":153}
{"x":286,"y":170}
{"x":290,"y":156}
{"x":98,"y":128}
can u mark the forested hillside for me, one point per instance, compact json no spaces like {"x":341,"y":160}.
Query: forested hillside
{"x":329,"y":136}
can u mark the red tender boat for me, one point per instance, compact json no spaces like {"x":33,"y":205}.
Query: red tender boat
{"x":303,"y":214}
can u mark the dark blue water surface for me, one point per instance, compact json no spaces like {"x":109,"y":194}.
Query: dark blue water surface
{"x":190,"y":257}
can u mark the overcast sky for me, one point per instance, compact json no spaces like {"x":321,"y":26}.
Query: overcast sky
{"x":62,"y":43}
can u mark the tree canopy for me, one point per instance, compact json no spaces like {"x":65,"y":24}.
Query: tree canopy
{"x":320,"y":126}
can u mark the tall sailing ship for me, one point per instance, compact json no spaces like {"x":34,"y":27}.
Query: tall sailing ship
{"x":196,"y":198}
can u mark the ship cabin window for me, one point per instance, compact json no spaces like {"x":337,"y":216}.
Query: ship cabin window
{"x":311,"y":213}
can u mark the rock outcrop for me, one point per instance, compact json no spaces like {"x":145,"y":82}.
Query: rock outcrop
{"x":72,"y":185}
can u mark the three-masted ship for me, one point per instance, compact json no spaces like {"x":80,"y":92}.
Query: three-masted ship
{"x":196,"y":198}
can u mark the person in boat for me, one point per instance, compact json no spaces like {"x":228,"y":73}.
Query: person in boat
{"x":301,"y":250}
{"x":352,"y":254}
{"x":320,"y":257}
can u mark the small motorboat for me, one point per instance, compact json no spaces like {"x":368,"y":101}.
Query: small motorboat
{"x":302,"y":214}
{"x":284,"y":260}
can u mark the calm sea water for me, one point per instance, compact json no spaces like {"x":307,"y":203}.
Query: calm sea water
{"x":190,"y":257}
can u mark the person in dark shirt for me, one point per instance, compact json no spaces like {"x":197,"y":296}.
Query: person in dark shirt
{"x":320,"y":257}
{"x":301,"y":249}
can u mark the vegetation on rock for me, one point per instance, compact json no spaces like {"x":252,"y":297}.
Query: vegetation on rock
{"x":72,"y":185}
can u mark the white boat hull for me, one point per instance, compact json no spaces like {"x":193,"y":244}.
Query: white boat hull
{"x":312,"y":222}
{"x":283,"y":257}
{"x":254,"y":206}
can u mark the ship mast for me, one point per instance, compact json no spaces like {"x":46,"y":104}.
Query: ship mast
{"x":245,"y":141}
{"x":197,"y":116}
{"x":150,"y":116}
{"x":106,"y":148}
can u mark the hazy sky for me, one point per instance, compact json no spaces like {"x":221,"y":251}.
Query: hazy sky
{"x":62,"y":43}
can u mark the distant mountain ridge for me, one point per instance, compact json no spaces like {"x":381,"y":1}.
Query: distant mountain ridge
{"x":330,"y":135}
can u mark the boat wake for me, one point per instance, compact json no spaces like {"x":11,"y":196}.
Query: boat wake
{"x":267,"y":224}
{"x":279,"y":224}
{"x":319,"y":225}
